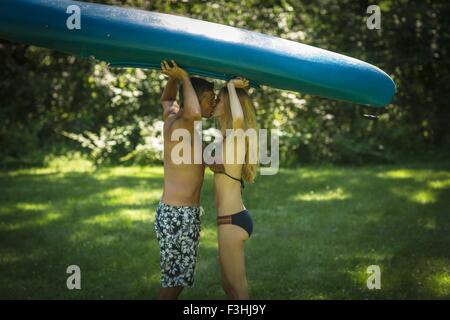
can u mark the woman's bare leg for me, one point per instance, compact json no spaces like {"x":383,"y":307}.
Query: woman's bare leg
{"x":232,"y":261}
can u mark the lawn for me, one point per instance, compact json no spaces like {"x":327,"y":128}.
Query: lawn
{"x":317,"y":229}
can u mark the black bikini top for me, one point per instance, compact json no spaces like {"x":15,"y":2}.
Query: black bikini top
{"x":228,"y":175}
{"x":214,"y":167}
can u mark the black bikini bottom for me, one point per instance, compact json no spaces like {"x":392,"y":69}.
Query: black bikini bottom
{"x":241,"y":219}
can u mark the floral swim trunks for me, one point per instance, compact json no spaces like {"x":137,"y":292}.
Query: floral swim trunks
{"x":178,"y":232}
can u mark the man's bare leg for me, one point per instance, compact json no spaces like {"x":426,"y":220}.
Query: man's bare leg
{"x":169,"y":293}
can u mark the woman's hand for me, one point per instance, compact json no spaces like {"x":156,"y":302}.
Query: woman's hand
{"x":175,"y":71}
{"x":239,"y":82}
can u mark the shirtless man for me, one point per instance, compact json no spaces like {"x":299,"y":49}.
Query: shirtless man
{"x":177,"y":222}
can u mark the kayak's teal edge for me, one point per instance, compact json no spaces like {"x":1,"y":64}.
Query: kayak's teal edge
{"x":136,"y":38}
{"x":191,"y":71}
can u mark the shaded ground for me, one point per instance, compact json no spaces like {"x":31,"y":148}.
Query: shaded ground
{"x":317,"y":229}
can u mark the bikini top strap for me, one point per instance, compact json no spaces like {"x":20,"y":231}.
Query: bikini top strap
{"x":230,"y":176}
{"x":241,"y":181}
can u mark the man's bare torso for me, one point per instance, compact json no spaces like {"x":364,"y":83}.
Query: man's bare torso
{"x":182,"y":182}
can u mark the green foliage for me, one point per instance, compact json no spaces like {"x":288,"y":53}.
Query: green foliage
{"x":46,"y":96}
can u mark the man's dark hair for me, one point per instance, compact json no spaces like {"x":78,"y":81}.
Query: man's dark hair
{"x":200,"y":86}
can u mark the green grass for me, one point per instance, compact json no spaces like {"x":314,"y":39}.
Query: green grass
{"x":317,"y":229}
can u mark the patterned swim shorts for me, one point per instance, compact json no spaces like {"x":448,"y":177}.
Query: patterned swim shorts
{"x":178,"y":232}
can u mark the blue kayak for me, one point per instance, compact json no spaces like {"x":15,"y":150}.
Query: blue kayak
{"x":135,"y":38}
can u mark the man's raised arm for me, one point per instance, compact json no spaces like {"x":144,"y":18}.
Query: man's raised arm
{"x":169,"y":95}
{"x":191,"y":107}
{"x":170,"y":91}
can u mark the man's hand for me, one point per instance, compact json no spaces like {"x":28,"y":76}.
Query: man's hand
{"x":239,"y":82}
{"x":175,"y":72}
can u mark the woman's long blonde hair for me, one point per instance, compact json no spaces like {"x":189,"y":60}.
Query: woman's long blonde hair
{"x":226,"y":122}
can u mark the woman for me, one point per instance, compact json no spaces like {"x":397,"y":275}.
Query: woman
{"x":234,"y":110}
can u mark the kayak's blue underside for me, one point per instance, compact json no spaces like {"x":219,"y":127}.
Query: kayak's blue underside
{"x":136,"y":38}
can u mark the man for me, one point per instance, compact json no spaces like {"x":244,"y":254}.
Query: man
{"x":177,"y":222}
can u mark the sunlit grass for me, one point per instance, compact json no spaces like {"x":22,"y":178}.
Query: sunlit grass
{"x":209,"y":237}
{"x":420,"y":196}
{"x":417,"y":174}
{"x":439,"y":184}
{"x":32,"y":206}
{"x":424,"y":197}
{"x":337,"y":194}
{"x":440,"y":284}
{"x":74,"y":163}
{"x":316,"y":230}
{"x":122,"y":216}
